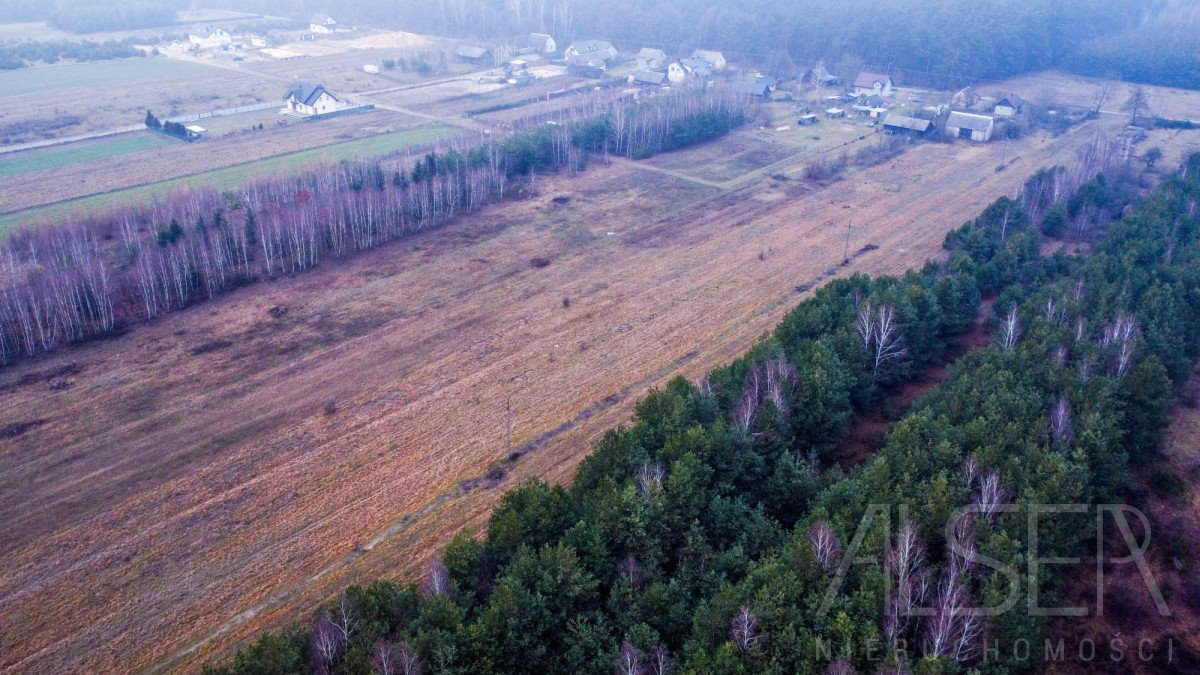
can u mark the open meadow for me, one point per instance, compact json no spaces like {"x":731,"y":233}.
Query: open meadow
{"x":173,"y":490}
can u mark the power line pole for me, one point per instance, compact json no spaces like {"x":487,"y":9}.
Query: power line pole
{"x":846,"y":250}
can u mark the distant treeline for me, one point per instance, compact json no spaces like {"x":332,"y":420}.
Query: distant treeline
{"x":87,"y":16}
{"x":704,"y":537}
{"x":19,"y":54}
{"x":1164,"y":49}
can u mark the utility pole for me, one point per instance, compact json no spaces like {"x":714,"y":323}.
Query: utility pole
{"x":846,"y":249}
{"x":508,"y":425}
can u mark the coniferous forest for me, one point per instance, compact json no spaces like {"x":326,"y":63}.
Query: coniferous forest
{"x":705,"y":535}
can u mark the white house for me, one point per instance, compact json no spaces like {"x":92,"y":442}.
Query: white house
{"x":867,"y":84}
{"x":322,"y":23}
{"x":543,"y":43}
{"x":1009,"y":105}
{"x":978,"y":128}
{"x":676,"y":73}
{"x":310,"y":99}
{"x":715,"y":60}
{"x":651,"y":59}
{"x":214,"y":40}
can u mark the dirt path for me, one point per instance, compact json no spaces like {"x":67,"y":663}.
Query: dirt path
{"x":175,"y":490}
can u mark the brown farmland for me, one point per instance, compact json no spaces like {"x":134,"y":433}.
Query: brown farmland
{"x":170,"y":492}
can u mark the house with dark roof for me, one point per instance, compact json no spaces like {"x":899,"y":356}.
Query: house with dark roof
{"x":872,"y":83}
{"x":759,"y":89}
{"x":594,"y":49}
{"x":310,"y":99}
{"x":909,"y":126}
{"x":473,"y":54}
{"x":820,"y":76}
{"x":1009,"y":105}
{"x":977,"y":128}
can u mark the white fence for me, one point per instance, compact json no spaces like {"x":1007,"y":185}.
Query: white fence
{"x":253,"y":107}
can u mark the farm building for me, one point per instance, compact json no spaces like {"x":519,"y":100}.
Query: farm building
{"x":473,"y":54}
{"x":715,"y":60}
{"x":310,"y":99}
{"x":752,"y":88}
{"x":371,"y":69}
{"x":834,"y":113}
{"x":322,"y":24}
{"x":1009,"y":105}
{"x":215,"y":40}
{"x":770,"y":81}
{"x":867,"y":84}
{"x":587,"y":66}
{"x":593,"y":49}
{"x":978,"y":128}
{"x":542,"y":43}
{"x":965,"y":98}
{"x":806,"y":120}
{"x":676,"y":73}
{"x":648,"y":78}
{"x":257,"y":41}
{"x":195,"y":132}
{"x":820,"y":76}
{"x":909,"y":126}
{"x":651,"y":59}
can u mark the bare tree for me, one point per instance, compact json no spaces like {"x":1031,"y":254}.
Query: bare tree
{"x":325,"y":643}
{"x":629,"y":660}
{"x":825,"y":544}
{"x":392,"y":658}
{"x":659,"y":662}
{"x":1010,"y":329}
{"x":879,"y":332}
{"x":743,"y":630}
{"x":1121,"y":336}
{"x":1060,"y":421}
{"x":1136,"y":105}
{"x":991,"y":495}
{"x":437,"y":578}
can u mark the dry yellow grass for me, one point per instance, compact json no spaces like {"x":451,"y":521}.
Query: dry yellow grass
{"x":190,"y":486}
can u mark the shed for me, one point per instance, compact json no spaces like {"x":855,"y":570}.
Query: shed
{"x":651,"y":78}
{"x":751,"y":89}
{"x":195,"y":132}
{"x":977,"y":128}
{"x":902,"y":124}
{"x":371,"y":69}
{"x":835,"y":112}
{"x":806,"y":120}
{"x":473,"y":54}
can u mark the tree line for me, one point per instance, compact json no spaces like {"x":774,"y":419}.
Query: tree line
{"x":703,"y":537}
{"x":97,"y":273}
{"x":15,"y":55}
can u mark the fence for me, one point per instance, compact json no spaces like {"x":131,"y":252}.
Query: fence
{"x":253,"y":107}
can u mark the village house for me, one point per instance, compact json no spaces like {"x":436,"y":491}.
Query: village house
{"x":907,"y":126}
{"x":696,"y":67}
{"x":310,"y":99}
{"x":651,"y":59}
{"x":542,"y":43}
{"x":867,"y":84}
{"x":752,"y":88}
{"x":322,"y":24}
{"x":217,"y":39}
{"x":473,"y":54}
{"x":593,"y":49}
{"x":819,"y":76}
{"x":977,"y":128}
{"x":587,"y":66}
{"x":1009,"y":106}
{"x":715,"y":60}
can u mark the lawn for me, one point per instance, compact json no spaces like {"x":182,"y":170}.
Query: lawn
{"x":17,"y":163}
{"x":232,"y":176}
{"x":42,"y":79}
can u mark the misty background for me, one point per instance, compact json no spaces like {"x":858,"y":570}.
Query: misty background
{"x":1150,"y":41}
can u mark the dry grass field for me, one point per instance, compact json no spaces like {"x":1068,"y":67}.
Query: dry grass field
{"x":362,"y":134}
{"x":169,"y":492}
{"x":1057,"y":88}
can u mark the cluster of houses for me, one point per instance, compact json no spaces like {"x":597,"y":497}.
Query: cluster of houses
{"x":221,"y":39}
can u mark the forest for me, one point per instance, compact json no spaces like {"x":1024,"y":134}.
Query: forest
{"x":95,"y":275}
{"x":956,"y":40}
{"x":703,"y":536}
{"x":15,"y":55}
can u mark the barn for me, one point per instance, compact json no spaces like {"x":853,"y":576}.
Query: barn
{"x":648,"y":78}
{"x":977,"y":128}
{"x":473,"y":54}
{"x":310,"y":99}
{"x":907,"y":126}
